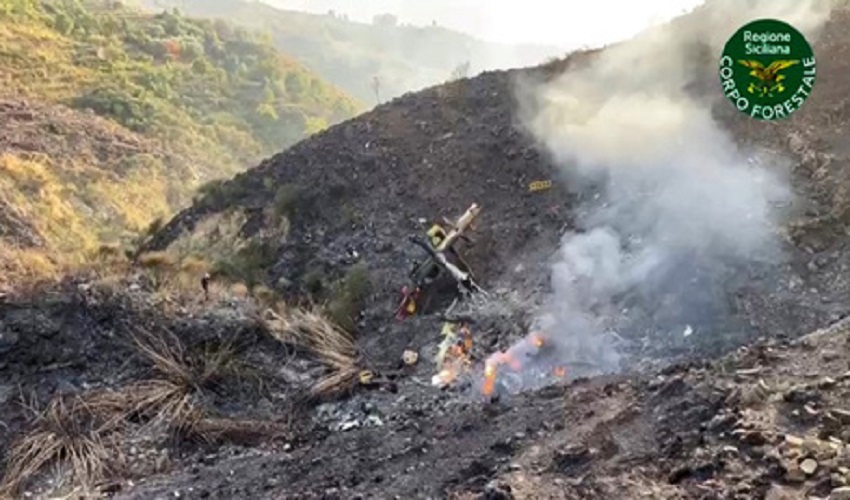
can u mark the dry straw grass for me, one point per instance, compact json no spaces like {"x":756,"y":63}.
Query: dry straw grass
{"x":332,"y":346}
{"x":159,"y":403}
{"x":24,"y":267}
{"x":67,"y":431}
{"x":191,"y":373}
{"x":86,"y":432}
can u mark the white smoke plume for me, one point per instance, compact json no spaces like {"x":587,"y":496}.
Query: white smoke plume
{"x":673,"y":211}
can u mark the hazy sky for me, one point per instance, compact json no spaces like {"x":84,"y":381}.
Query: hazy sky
{"x":566,"y":23}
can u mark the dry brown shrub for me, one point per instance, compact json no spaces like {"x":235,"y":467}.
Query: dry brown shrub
{"x":159,"y":403}
{"x":86,"y":432}
{"x":109,"y":250}
{"x":332,"y":346}
{"x":156,"y":260}
{"x":66,"y":431}
{"x":239,"y":290}
{"x":192,"y":372}
{"x":336,"y":382}
{"x":263,"y":294}
{"x":194,"y":265}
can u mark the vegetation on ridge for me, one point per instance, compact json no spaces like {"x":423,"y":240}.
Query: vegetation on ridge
{"x":374,"y":61}
{"x":190,"y":101}
{"x":196,"y":84}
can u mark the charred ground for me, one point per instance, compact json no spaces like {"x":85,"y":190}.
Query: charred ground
{"x":730,"y":427}
{"x":364,"y":184}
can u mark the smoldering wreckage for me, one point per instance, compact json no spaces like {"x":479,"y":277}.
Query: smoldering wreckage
{"x":454,"y":359}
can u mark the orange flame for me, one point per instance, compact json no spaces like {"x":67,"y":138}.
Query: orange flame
{"x":457,"y":359}
{"x":445,"y":377}
{"x":489,"y":378}
{"x":513,"y":358}
{"x":467,"y":339}
{"x":536,"y":339}
{"x":512,"y":362}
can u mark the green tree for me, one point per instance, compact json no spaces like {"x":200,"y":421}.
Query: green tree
{"x":191,"y":49}
{"x":63,"y":23}
{"x":266,"y":112}
{"x":200,"y":66}
{"x":315,"y":125}
{"x":295,"y":84}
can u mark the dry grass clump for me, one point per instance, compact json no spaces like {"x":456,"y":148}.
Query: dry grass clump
{"x":67,"y":431}
{"x":239,"y":290}
{"x":332,"y":346}
{"x":310,"y":329}
{"x":159,"y":267}
{"x":238,"y":431}
{"x":87,"y":431}
{"x":110,"y":250}
{"x":216,"y":237}
{"x":264,"y":294}
{"x":156,"y":260}
{"x":20,"y":267}
{"x":191,"y":372}
{"x":194,"y":265}
{"x":336,"y":382}
{"x":158,"y":403}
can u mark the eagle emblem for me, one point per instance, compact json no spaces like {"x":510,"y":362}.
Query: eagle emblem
{"x":768,"y":80}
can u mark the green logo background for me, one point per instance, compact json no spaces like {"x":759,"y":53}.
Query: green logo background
{"x":767,"y":86}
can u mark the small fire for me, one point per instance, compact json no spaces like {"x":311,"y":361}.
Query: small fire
{"x":490,"y":372}
{"x":506,"y":358}
{"x":536,"y":339}
{"x":516,"y":358}
{"x":444,"y":378}
{"x":456,"y":358}
{"x":491,"y":369}
{"x":467,"y":338}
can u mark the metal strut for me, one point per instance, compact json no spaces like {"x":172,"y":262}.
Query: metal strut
{"x":463,"y":278}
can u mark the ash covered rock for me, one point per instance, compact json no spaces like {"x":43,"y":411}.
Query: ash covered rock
{"x":355,"y":413}
{"x":8,"y":338}
{"x":497,"y":319}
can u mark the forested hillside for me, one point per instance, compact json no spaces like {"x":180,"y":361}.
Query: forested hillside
{"x":351,"y":54}
{"x":180,"y":101}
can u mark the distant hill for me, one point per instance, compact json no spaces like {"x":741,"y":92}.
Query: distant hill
{"x":351,"y":54}
{"x":182,"y":102}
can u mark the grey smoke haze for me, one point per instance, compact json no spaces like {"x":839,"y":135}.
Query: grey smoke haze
{"x":563,"y":24}
{"x":680,"y":212}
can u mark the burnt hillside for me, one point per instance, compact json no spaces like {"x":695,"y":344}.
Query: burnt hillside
{"x":361,"y":187}
{"x":241,"y":396}
{"x":364,"y":184}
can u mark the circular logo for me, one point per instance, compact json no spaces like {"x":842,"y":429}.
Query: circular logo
{"x":767,"y":69}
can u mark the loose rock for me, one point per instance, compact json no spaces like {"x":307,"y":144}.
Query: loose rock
{"x":842,"y":493}
{"x":808,"y":466}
